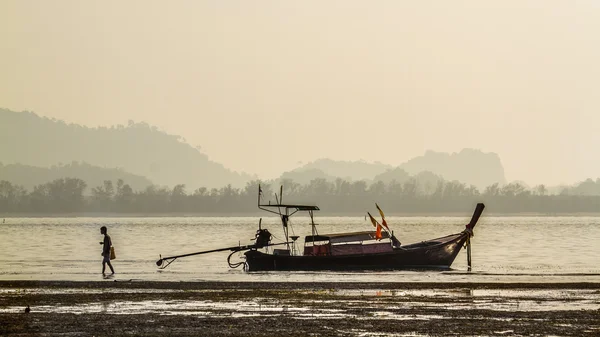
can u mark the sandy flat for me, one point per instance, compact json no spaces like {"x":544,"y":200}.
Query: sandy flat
{"x":61,"y":308}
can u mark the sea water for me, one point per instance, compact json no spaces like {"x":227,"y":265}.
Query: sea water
{"x":504,"y":249}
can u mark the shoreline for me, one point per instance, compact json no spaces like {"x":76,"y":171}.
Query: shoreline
{"x":225,"y":285}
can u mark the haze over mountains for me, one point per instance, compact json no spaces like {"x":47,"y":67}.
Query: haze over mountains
{"x":31,"y":176}
{"x":141,"y":155}
{"x":137,"y":148}
{"x":469,"y":166}
{"x":263,"y":86}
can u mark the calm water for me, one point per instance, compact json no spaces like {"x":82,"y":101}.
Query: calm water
{"x":505,"y":249}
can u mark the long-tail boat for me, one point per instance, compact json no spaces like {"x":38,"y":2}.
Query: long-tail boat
{"x":364,"y":250}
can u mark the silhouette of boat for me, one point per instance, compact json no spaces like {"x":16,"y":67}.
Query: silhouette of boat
{"x":364,"y":250}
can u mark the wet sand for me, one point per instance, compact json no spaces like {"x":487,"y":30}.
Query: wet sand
{"x":298,"y":309}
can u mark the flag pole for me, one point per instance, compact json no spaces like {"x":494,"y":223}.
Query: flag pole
{"x":377,"y":225}
{"x":387,"y":229}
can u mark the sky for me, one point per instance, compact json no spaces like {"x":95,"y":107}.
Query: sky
{"x":262,"y":86}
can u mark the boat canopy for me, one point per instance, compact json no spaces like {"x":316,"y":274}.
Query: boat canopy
{"x":297,"y":207}
{"x":345,"y":237}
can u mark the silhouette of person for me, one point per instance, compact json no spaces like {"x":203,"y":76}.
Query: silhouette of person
{"x":106,"y":250}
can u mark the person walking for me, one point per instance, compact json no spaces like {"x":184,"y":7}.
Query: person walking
{"x":106,"y":244}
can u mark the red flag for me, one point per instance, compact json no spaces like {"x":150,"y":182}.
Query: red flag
{"x":382,"y":217}
{"x":385,"y":224}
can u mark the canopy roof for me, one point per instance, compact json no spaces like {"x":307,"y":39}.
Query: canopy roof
{"x":346,"y":237}
{"x":298,"y":207}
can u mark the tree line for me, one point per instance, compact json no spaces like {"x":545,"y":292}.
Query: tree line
{"x":71,"y":196}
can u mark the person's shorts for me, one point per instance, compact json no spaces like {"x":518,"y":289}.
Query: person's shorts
{"x":106,"y":258}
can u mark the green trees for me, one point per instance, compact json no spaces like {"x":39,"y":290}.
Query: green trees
{"x":70,"y":196}
{"x":11,"y":196}
{"x":63,"y":195}
{"x":102,"y":196}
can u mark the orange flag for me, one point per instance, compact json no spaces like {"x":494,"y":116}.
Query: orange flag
{"x":382,"y":217}
{"x":377,"y":226}
{"x":378,"y":232}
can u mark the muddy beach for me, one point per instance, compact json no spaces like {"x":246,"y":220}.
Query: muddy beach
{"x":298,"y":309}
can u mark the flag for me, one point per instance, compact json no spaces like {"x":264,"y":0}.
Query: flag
{"x":373,"y":221}
{"x":382,"y":217}
{"x":377,"y":226}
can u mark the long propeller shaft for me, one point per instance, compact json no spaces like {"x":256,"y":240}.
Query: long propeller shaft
{"x":171,"y":259}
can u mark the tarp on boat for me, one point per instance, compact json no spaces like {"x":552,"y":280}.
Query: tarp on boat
{"x":357,"y":248}
{"x":345,"y":237}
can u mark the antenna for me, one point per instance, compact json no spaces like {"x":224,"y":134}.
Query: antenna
{"x":281,"y":194}
{"x":278,"y":203}
{"x":284,"y":218}
{"x":259,"y":195}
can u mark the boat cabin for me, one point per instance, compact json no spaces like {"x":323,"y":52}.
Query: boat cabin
{"x":325,"y":244}
{"x":346,"y":244}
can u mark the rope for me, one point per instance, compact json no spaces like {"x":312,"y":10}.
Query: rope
{"x":234,"y":265}
{"x":470,"y":234}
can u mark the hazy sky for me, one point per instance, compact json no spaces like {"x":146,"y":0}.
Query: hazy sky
{"x":263,"y":85}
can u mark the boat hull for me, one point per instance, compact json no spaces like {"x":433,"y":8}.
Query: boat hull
{"x":432,"y":254}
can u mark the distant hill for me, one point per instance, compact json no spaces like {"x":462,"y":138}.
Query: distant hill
{"x":30,"y":176}
{"x":469,"y":166}
{"x":138,"y":148}
{"x":165,"y":159}
{"x":304,"y":176}
{"x":348,"y":170}
{"x":587,"y":187}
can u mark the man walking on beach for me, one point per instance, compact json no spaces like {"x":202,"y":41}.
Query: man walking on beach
{"x":106,"y":250}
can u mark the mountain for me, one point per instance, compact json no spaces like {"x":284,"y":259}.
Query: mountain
{"x":586,"y":187}
{"x":137,"y":148}
{"x":30,"y":176}
{"x":469,"y":166}
{"x":305,"y":176}
{"x":348,"y":170}
{"x":166,"y":159}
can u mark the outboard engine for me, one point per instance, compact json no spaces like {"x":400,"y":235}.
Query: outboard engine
{"x":263,"y":237}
